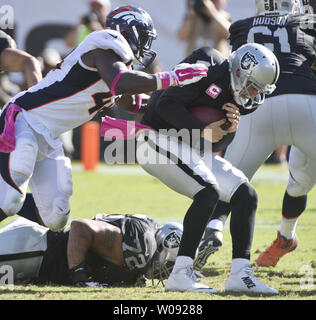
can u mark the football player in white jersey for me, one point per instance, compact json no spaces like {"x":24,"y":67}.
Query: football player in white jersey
{"x":90,"y":78}
{"x":286,"y":118}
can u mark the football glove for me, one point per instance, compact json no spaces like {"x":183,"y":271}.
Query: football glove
{"x":181,"y":75}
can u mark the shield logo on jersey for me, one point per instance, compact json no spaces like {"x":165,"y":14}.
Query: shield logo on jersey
{"x":248,"y":61}
{"x":213,"y":91}
{"x":172,"y":240}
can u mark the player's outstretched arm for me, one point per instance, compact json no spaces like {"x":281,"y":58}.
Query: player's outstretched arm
{"x":121,"y":80}
{"x":15,"y":60}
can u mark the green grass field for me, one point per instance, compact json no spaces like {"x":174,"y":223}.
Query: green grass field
{"x":127,"y":189}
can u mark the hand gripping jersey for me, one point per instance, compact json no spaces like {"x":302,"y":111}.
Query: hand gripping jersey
{"x":292,"y":39}
{"x":71,"y":94}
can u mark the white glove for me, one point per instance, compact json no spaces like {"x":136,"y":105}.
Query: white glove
{"x":181,"y":75}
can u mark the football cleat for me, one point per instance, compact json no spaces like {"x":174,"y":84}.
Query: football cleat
{"x":211,"y":243}
{"x":184,"y":279}
{"x":244,"y":282}
{"x":279,"y":247}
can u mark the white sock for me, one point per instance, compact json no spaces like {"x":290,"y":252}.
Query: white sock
{"x":238,"y":264}
{"x":287,"y":228}
{"x":216,"y":224}
{"x":182,"y":262}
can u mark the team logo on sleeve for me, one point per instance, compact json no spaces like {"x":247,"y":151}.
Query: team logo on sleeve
{"x":213,"y":91}
{"x":248,"y":61}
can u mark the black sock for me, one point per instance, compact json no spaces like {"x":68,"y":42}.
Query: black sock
{"x":242,"y":220}
{"x":196,"y":219}
{"x":293,"y":207}
{"x":221,"y":211}
{"x":29,"y":210}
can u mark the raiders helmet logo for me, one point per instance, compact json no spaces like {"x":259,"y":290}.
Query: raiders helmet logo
{"x":172,"y":240}
{"x":248,"y":61}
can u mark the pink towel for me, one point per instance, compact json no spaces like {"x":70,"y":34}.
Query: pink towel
{"x":7,"y":137}
{"x":120,"y":129}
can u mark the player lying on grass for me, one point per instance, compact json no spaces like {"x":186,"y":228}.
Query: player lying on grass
{"x":106,"y":250}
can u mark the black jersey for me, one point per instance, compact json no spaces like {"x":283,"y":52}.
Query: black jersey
{"x":292,"y":39}
{"x":169,"y":109}
{"x":139,"y":246}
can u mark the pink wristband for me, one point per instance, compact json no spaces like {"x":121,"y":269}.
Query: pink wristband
{"x":138,"y":104}
{"x":163,"y":80}
{"x":115,"y":81}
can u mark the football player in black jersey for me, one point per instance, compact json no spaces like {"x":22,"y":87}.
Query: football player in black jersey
{"x":15,"y":60}
{"x":287,"y":118}
{"x":106,"y":250}
{"x":234,"y":86}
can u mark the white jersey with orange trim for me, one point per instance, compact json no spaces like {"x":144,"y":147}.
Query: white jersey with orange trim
{"x":73,"y":93}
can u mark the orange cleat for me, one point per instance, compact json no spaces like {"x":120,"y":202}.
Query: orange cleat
{"x":279,"y":247}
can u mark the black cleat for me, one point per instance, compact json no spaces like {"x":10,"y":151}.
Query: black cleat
{"x":211,"y":243}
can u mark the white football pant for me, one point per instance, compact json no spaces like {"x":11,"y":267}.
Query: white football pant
{"x":182,"y":169}
{"x":46,"y":171}
{"x":282,"y":120}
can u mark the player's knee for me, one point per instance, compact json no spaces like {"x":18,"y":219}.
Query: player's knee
{"x":57,"y":217}
{"x":12,"y":202}
{"x":299,"y":186}
{"x":246,"y":193}
{"x":209,"y":194}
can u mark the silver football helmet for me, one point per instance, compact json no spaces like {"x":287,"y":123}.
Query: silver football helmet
{"x":277,"y":7}
{"x":168,"y":239}
{"x":253,"y":65}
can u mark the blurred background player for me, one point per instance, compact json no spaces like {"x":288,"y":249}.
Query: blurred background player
{"x":106,"y":250}
{"x":287,"y":118}
{"x":92,"y":77}
{"x":206,"y":178}
{"x":205,"y":24}
{"x":15,"y":60}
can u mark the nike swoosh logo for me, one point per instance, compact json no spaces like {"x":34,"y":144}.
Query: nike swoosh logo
{"x":115,"y":37}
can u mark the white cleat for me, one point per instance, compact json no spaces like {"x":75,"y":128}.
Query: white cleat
{"x":184,"y":279}
{"x":244,"y":281}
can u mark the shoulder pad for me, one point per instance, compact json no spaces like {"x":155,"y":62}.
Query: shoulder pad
{"x":111,"y":39}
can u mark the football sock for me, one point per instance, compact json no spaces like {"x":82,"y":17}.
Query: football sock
{"x":216,"y":224}
{"x":242,"y":220}
{"x":238,"y":264}
{"x":182,"y":261}
{"x":221,"y":211}
{"x":196,"y":219}
{"x":29,"y":210}
{"x":287,"y":228}
{"x":292,"y":208}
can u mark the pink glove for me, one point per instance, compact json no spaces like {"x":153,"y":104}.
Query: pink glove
{"x":181,"y":75}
